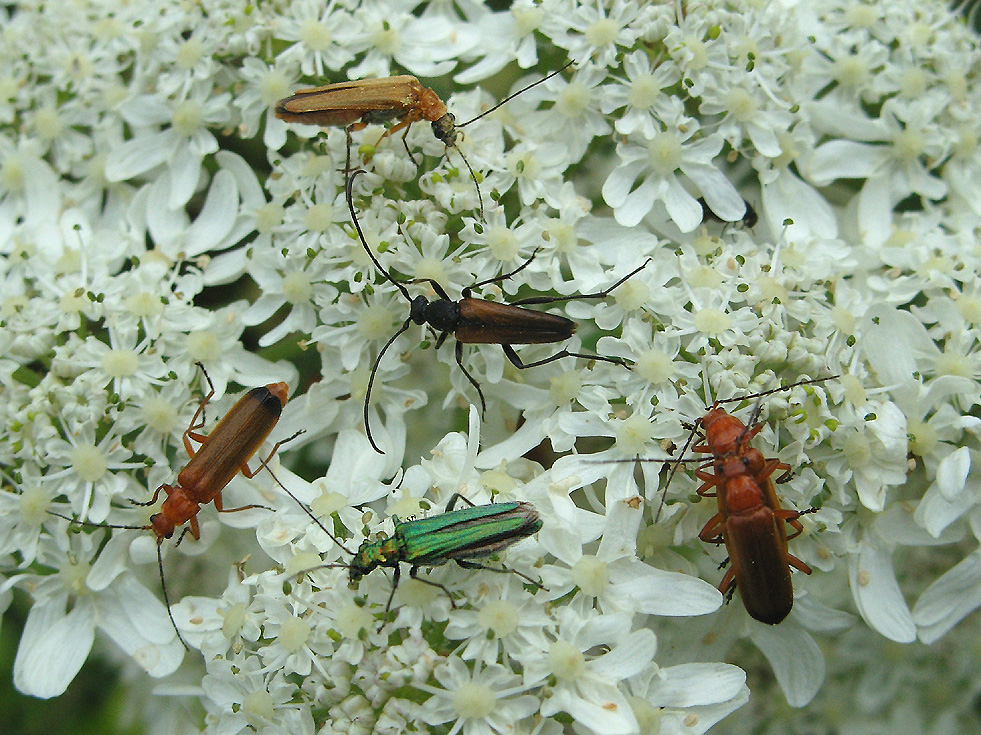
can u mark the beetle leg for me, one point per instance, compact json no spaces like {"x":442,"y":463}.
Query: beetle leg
{"x":791,"y":516}
{"x":168,"y":489}
{"x":771,"y":466}
{"x":265,"y":462}
{"x":458,"y":352}
{"x":405,"y":144}
{"x":728,"y":584}
{"x":453,"y":498}
{"x":221,"y":509}
{"x":796,"y":563}
{"x":575,"y":297}
{"x":501,"y":570}
{"x":516,"y":361}
{"x":414,"y":571}
{"x":710,"y":533}
{"x":191,"y":432}
{"x":391,"y":595}
{"x":710,"y":480}
{"x":787,"y":474}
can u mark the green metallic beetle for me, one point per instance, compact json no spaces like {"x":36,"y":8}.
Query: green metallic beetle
{"x":454,"y":535}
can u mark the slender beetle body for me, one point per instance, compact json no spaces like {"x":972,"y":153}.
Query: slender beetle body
{"x":474,"y":532}
{"x":370,"y":101}
{"x":469,"y":533}
{"x":479,"y":321}
{"x":223,"y":454}
{"x":750,"y":521}
{"x":362,"y":102}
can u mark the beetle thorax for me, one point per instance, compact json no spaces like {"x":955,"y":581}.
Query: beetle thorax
{"x":442,"y":315}
{"x":743,"y":494}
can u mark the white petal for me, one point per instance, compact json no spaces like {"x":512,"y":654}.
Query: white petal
{"x":184,"y":170}
{"x":948,"y":600}
{"x":248,"y":184}
{"x":689,"y":685}
{"x":620,"y":181}
{"x":139,"y":624}
{"x":166,"y":224}
{"x":843,"y":159}
{"x":890,"y":339}
{"x":952,"y":473}
{"x":819,"y":618}
{"x":111,"y":563}
{"x":658,"y":592}
{"x":877,"y":594}
{"x":796,"y":659}
{"x":875,"y":211}
{"x":216,"y":218}
{"x":682,"y":207}
{"x":719,"y":193}
{"x":627,"y":659}
{"x":53,"y":648}
{"x":612,"y":717}
{"x":226,"y":267}
{"x":787,"y":197}
{"x":138,"y":156}
{"x":936,"y":514}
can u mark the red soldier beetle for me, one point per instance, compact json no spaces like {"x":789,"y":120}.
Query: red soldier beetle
{"x":479,"y":321}
{"x":362,"y":102}
{"x":750,"y":520}
{"x":223,"y":453}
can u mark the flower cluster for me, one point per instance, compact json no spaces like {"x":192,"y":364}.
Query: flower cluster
{"x":800,"y":179}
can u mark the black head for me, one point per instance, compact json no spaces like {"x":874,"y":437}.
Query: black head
{"x":419,"y":310}
{"x":445,"y":129}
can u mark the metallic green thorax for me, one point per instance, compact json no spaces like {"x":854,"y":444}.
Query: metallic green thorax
{"x":468,"y":533}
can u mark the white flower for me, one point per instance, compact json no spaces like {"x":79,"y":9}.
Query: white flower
{"x":481,"y":702}
{"x":81,"y":596}
{"x":657,"y":161}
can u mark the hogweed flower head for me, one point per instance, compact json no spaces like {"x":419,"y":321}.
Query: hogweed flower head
{"x":155,"y":213}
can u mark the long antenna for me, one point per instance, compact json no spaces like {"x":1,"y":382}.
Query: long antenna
{"x":515,"y":94}
{"x":163,"y":586}
{"x":160,"y":569}
{"x":364,"y":242}
{"x":305,"y":509}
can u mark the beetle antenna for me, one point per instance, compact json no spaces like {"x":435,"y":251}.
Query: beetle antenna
{"x":473,"y":176}
{"x":163,"y":581}
{"x":515,"y":94}
{"x":79,"y":522}
{"x":812,"y":381}
{"x":371,"y":382}
{"x":305,"y":508}
{"x":364,"y":242}
{"x":163,"y":586}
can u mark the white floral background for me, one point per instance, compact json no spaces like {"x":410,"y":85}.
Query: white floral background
{"x":154,"y":213}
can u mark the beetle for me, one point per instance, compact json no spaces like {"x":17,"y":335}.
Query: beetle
{"x":362,"y":102}
{"x":750,"y":521}
{"x":479,"y":321}
{"x":461,"y":536}
{"x":222,"y":454}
